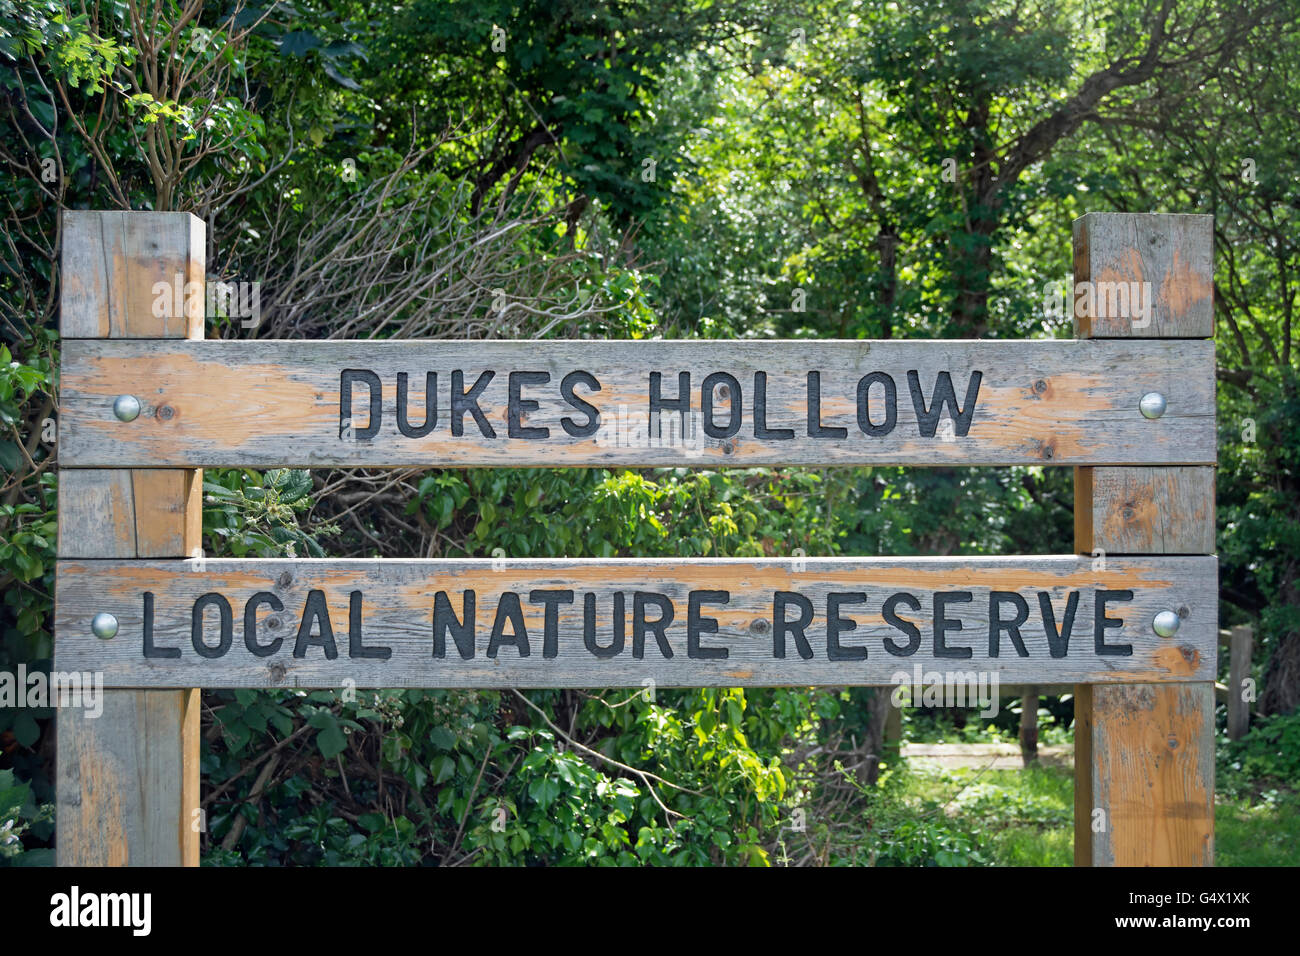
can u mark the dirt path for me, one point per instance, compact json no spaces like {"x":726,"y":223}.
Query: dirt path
{"x":978,"y":756}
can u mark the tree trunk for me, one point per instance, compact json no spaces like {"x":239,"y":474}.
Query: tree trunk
{"x":874,"y":744}
{"x":1029,"y":726}
{"x":1281,"y":691}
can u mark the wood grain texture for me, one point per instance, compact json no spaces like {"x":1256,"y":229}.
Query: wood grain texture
{"x":123,"y":776}
{"x":1144,"y":758}
{"x":1144,"y":510}
{"x":118,"y":513}
{"x":277,"y":403}
{"x":127,"y":781}
{"x":396,"y":600}
{"x":1144,"y":768}
{"x":110,"y":265}
{"x":1173,"y":254}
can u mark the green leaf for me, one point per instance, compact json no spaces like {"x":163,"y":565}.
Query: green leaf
{"x":298,"y":43}
{"x":335,"y":74}
{"x":331,"y":740}
{"x":443,"y":767}
{"x":26,"y":730}
{"x":544,"y":790}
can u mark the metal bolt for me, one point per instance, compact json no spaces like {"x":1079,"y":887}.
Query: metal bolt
{"x":103,"y":625}
{"x":126,"y":408}
{"x":1152,"y":405}
{"x":1166,"y":624}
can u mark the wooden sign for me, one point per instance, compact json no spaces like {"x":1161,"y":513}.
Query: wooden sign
{"x":601,"y":623}
{"x":1136,"y":636}
{"x":633,"y":404}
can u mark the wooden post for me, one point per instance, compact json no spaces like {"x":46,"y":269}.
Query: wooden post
{"x":1144,"y":753}
{"x":1241,"y":645}
{"x":1029,"y":726}
{"x":128,"y":780}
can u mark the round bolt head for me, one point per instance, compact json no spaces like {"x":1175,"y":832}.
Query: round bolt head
{"x":104,"y":626}
{"x":1166,"y":624}
{"x":126,"y":408}
{"x":1152,"y":405}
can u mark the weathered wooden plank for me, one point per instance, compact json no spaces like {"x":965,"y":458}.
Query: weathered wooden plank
{"x":1144,"y":768}
{"x":128,"y":779}
{"x":1144,"y":510}
{"x":1143,"y":276}
{"x":262,"y":622}
{"x":124,"y":778}
{"x":1242,"y":645}
{"x":1144,"y":775}
{"x":279,"y":403}
{"x":114,"y":265}
{"x":118,"y":513}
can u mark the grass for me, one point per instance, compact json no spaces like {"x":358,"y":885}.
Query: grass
{"x":1257,"y":832}
{"x":1006,"y":817}
{"x":1025,"y":817}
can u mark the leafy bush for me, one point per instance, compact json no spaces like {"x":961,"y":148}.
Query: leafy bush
{"x":19,"y":813}
{"x":1266,"y":758}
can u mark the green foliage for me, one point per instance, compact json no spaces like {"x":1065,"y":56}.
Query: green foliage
{"x":782,"y":166}
{"x":1266,"y":759}
{"x":18,"y":814}
{"x":1257,"y":817}
{"x":1259,"y":515}
{"x":257,"y":515}
{"x":28,"y":533}
{"x":575,"y":82}
{"x":598,"y":513}
{"x":716,"y":785}
{"x":967,"y":817}
{"x":1257,"y":832}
